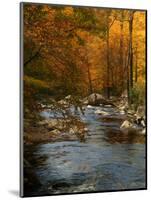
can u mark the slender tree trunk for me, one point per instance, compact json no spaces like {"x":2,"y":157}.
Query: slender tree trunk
{"x":89,"y":79}
{"x":131,"y":48}
{"x":130,"y":59}
{"x":107,"y":58}
{"x":112,"y":76}
{"x":136,"y":71}
{"x":128,"y":80}
{"x":121,"y":52}
{"x":90,"y":87}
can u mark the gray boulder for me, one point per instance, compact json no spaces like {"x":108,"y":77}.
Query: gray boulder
{"x":96,"y":99}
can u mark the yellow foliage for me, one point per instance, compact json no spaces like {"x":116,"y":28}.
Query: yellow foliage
{"x":68,"y":11}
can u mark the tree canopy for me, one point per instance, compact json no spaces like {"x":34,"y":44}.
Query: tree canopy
{"x":79,"y":50}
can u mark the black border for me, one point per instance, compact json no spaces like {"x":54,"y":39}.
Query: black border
{"x":22,"y":89}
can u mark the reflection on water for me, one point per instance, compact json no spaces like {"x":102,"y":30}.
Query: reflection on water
{"x":108,"y":160}
{"x":129,"y":137}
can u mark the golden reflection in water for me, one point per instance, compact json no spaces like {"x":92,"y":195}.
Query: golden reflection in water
{"x":128,"y":137}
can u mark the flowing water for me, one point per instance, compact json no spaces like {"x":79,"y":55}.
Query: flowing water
{"x":101,"y":163}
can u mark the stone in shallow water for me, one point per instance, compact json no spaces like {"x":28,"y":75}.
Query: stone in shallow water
{"x":101,"y":112}
{"x":89,"y":106}
{"x":126,"y":124}
{"x":122,"y":112}
{"x":107,"y":106}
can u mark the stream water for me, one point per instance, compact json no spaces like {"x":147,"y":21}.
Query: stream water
{"x":101,"y":163}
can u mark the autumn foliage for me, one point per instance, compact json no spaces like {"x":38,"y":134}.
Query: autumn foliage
{"x":78,"y":51}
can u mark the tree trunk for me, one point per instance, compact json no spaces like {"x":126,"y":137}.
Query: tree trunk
{"x":89,"y":79}
{"x":131,"y":48}
{"x":128,"y":81}
{"x":121,"y":52}
{"x":136,"y":71}
{"x":107,"y":58}
{"x":130,"y":59}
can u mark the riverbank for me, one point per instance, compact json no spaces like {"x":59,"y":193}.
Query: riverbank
{"x":54,"y":130}
{"x":63,"y":121}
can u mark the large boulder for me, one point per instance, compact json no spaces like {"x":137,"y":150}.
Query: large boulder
{"x":96,"y":99}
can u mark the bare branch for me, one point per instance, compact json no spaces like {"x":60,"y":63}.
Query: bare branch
{"x":112,"y":22}
{"x":33,"y":56}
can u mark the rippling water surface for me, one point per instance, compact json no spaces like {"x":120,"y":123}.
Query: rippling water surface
{"x":101,"y":163}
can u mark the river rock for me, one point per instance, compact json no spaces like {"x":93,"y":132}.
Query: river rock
{"x":96,"y":99}
{"x":85,"y":101}
{"x":140,"y":121}
{"x":143,"y":123}
{"x":63,"y":102}
{"x":68,"y":97}
{"x":143,"y":132}
{"x":132,"y":128}
{"x":85,"y":129}
{"x":89,"y":106}
{"x":101,"y":112}
{"x":98,"y":112}
{"x":107,"y":106}
{"x":126,"y":124}
{"x":140,"y":112}
{"x":43,"y":105}
{"x":122,"y":112}
{"x":130,"y":112}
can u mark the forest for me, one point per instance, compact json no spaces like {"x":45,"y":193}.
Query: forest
{"x":78,"y":63}
{"x":80,"y":51}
